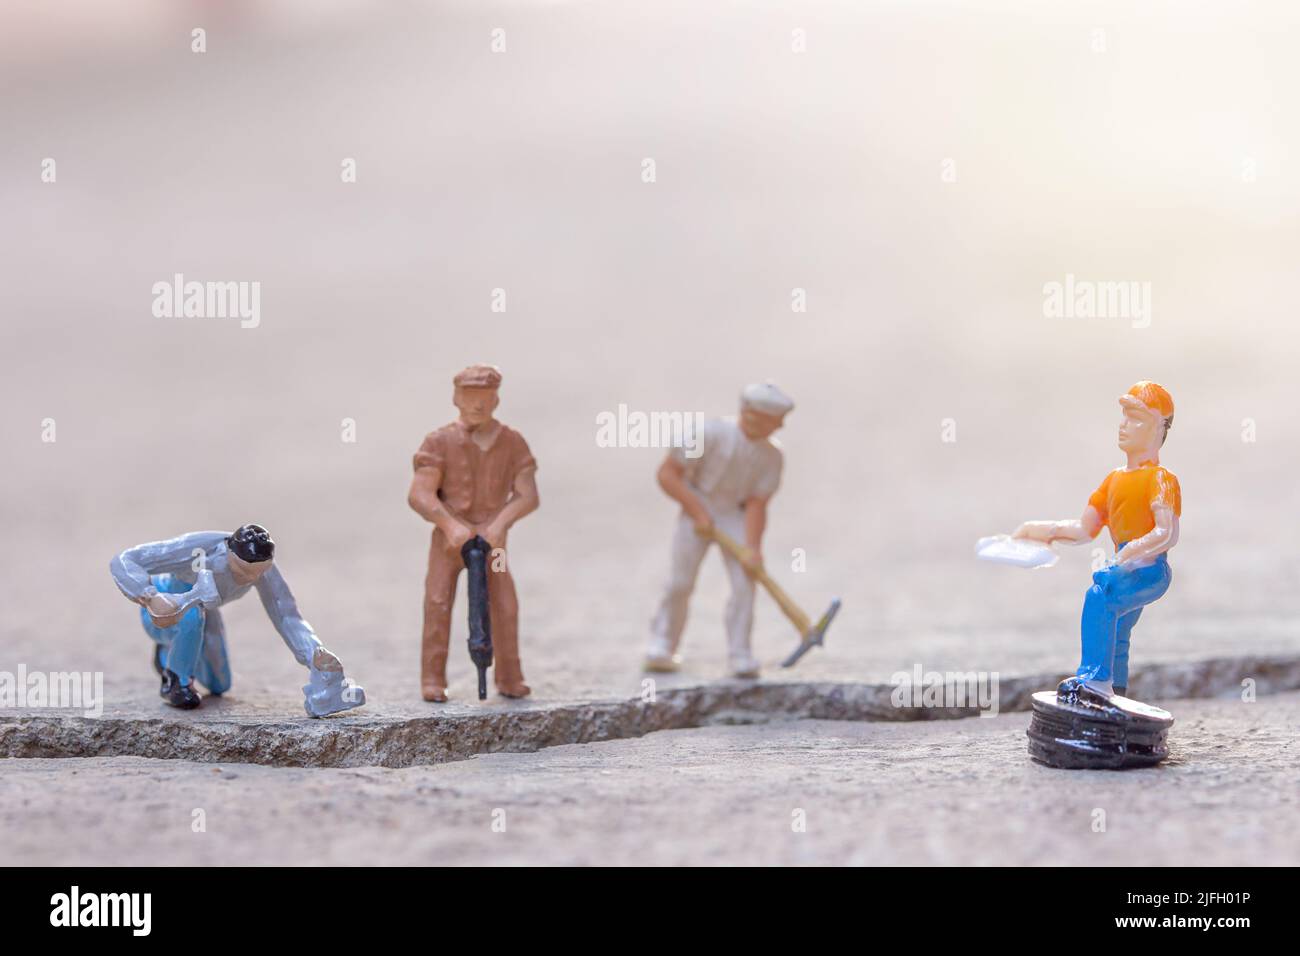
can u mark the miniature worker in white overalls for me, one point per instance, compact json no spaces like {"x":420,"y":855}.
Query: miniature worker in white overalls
{"x":727,"y":486}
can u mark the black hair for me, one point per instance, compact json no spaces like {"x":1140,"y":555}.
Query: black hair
{"x":252,"y":543}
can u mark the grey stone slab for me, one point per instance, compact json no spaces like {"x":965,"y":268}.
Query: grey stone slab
{"x":226,"y":732}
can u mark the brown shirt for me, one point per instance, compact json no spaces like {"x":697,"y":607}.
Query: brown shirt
{"x":476,"y":484}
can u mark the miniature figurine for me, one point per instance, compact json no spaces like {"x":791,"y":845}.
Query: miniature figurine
{"x":181,"y":584}
{"x":1091,"y":722}
{"x":473,"y":479}
{"x":725,"y":488}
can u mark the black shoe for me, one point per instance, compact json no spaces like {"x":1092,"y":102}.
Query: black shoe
{"x":1073,"y":690}
{"x":1121,"y":691}
{"x":157,"y":660}
{"x":176,"y":694}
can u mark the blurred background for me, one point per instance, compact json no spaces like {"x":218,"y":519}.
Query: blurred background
{"x":921,"y":170}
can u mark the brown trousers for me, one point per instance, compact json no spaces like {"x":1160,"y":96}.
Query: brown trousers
{"x":445,"y":565}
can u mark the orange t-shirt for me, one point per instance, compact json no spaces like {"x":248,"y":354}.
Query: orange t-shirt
{"x":1125,"y":500}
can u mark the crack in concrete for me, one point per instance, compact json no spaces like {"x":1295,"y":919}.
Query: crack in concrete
{"x":361,"y":741}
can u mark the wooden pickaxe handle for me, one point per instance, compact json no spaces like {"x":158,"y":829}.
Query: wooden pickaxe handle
{"x":797,"y":617}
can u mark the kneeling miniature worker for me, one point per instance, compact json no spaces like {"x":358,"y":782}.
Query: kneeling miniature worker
{"x":728,"y":485}
{"x":1140,"y":503}
{"x":181,"y":583}
{"x":473,"y":478}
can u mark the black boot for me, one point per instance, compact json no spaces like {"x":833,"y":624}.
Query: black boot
{"x":157,"y":660}
{"x":1121,"y":691}
{"x":176,"y":694}
{"x":1073,"y":690}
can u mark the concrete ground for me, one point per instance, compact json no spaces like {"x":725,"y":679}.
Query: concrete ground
{"x":936,"y":402}
{"x":786,"y":792}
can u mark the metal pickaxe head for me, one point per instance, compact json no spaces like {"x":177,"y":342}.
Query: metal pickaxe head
{"x":816,"y":635}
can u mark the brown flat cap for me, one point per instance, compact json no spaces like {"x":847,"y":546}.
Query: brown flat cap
{"x":478,"y":376}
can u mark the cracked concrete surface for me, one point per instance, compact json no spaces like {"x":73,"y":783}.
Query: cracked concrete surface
{"x":920,"y":792}
{"x":225,"y":733}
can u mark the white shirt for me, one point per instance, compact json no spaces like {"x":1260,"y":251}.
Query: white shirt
{"x":732,"y":468}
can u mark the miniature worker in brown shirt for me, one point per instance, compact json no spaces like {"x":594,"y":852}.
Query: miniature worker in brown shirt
{"x":474,"y":476}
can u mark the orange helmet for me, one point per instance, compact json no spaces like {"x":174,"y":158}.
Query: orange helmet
{"x":1154,"y":397}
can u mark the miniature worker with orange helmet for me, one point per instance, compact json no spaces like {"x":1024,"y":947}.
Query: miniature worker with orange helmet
{"x":1140,"y":503}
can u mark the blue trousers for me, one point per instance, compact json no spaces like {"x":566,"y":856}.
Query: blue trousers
{"x":195,"y":646}
{"x":1110,"y":609}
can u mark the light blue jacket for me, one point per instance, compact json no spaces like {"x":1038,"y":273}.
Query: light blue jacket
{"x":183,"y":556}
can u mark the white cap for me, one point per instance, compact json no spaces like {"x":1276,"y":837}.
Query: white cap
{"x":766,"y":398}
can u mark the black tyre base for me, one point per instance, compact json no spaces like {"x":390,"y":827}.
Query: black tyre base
{"x":1124,"y":734}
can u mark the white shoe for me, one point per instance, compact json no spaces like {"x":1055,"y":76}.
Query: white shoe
{"x":745,"y":667}
{"x":659,"y":657}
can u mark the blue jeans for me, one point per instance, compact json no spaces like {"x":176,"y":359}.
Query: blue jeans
{"x":1110,"y":609}
{"x":193,"y":647}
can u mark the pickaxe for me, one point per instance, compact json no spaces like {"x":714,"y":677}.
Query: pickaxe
{"x":811,"y":635}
